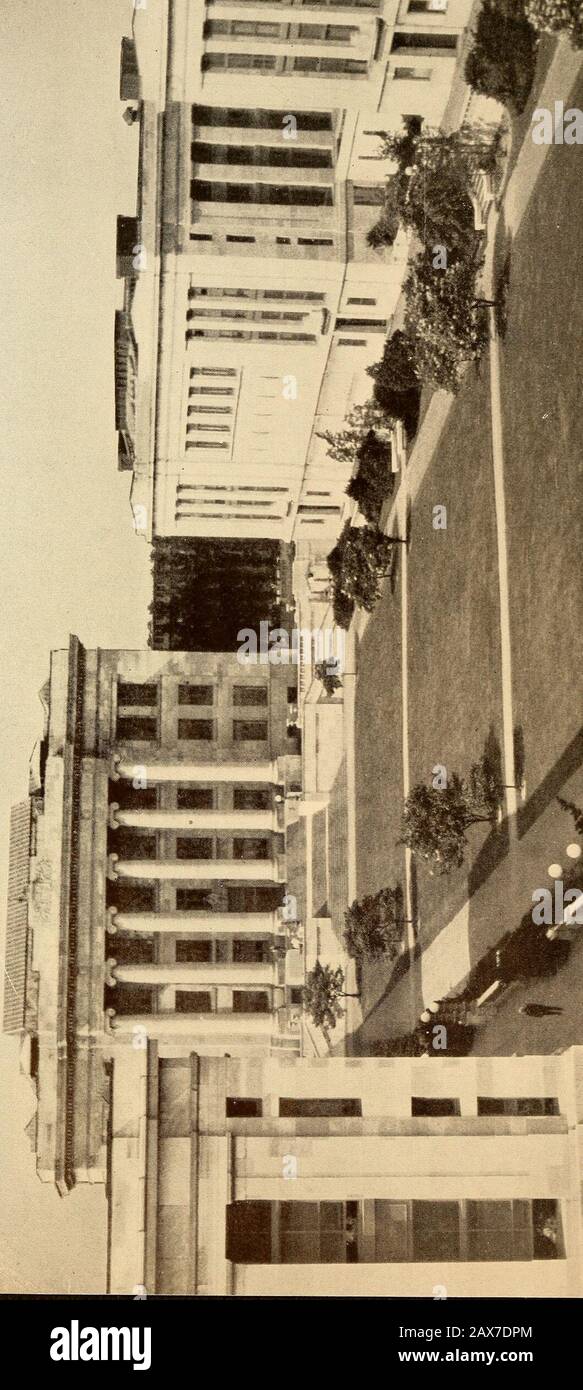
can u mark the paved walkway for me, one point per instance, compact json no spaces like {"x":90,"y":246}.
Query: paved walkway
{"x":447,"y":960}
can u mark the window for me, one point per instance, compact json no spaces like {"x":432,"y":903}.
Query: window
{"x":209,"y":410}
{"x":195,"y":798}
{"x":243,"y":1107}
{"x":206,"y":444}
{"x":200,"y":236}
{"x":192,"y":900}
{"x":250,"y":1001}
{"x":301,"y":1106}
{"x":421,"y":1105}
{"x":193,"y":847}
{"x":196,"y":729}
{"x":211,"y":391}
{"x":129,"y":797}
{"x":217,"y":28}
{"x":194,"y":951}
{"x":249,"y":729}
{"x":315,"y":241}
{"x":130,"y":694}
{"x":253,"y":898}
{"x":518,"y":1105}
{"x":427,"y":6}
{"x":132,"y":843}
{"x":275,"y":194}
{"x":331,"y":67}
{"x":192,"y":1001}
{"x":257,"y":119}
{"x":335,"y":33}
{"x":431,"y":44}
{"x":351,"y":342}
{"x":246,"y":951}
{"x":212,"y":371}
{"x":251,"y":799}
{"x":368,"y":195}
{"x":283,"y":241}
{"x":250,"y":695}
{"x":240,"y":238}
{"x":137,"y":728}
{"x":241,"y":62}
{"x":195,"y":694}
{"x":250,"y":847}
{"x":413,"y":74}
{"x":362,"y":301}
{"x":365,"y":325}
{"x":202,"y":425}
{"x":127,"y":895}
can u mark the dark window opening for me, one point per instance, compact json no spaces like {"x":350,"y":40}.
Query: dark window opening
{"x":251,"y":799}
{"x":197,"y":950}
{"x":249,"y":729}
{"x":195,"y":798}
{"x":250,"y":695}
{"x":251,"y":1001}
{"x":129,"y":693}
{"x":308,"y":1107}
{"x":195,"y":694}
{"x":137,"y":728}
{"x":247,"y":951}
{"x":250,"y":847}
{"x":194,"y":847}
{"x":201,"y":729}
{"x":434,"y":1105}
{"x":192,"y":1001}
{"x":243,"y":1107}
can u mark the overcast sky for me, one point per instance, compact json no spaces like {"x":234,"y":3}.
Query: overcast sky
{"x":70,"y":560}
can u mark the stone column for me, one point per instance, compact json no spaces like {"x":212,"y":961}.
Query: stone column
{"x":235,"y":975}
{"x":227,"y":821}
{"x":259,"y":772}
{"x":195,"y":870}
{"x":203,"y":1025}
{"x":255,"y":924}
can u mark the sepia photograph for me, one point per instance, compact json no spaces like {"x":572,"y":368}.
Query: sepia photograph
{"x":291,"y":717}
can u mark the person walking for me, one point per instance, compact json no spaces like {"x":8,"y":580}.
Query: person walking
{"x":539,"y":1010}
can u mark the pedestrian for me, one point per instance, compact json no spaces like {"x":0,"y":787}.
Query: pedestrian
{"x":539,"y":1010}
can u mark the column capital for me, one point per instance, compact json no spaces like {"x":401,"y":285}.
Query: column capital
{"x":111,"y":920}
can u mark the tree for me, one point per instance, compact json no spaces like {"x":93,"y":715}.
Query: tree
{"x":556,"y":17}
{"x":385,"y":229}
{"x":322,"y":991}
{"x":345,"y":443}
{"x":448,"y":325}
{"x":373,"y":480}
{"x":373,"y":927}
{"x":359,"y":561}
{"x":396,"y":381}
{"x":342,"y":608}
{"x":435,"y":820}
{"x":502,"y":60}
{"x":325,"y":673}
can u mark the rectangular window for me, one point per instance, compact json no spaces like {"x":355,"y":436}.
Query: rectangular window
{"x":518,"y":1105}
{"x":315,"y":241}
{"x":129,"y":797}
{"x":195,"y":694}
{"x":195,"y":798}
{"x":430,"y":44}
{"x":200,"y":236}
{"x":243,"y":1107}
{"x":137,"y":728}
{"x":238,"y":62}
{"x":211,"y":391}
{"x":413,"y":74}
{"x":351,"y":342}
{"x":193,"y":847}
{"x":246,"y":951}
{"x":435,"y":1231}
{"x":250,"y":695}
{"x":196,"y":729}
{"x":368,"y":195}
{"x":240,"y":238}
{"x":372,"y":302}
{"x":308,"y":1107}
{"x":423,"y":1105}
{"x":192,"y":1001}
{"x":249,"y":729}
{"x":427,"y":6}
{"x":193,"y":900}
{"x":331,"y":67}
{"x":198,"y":950}
{"x":132,"y":843}
{"x":251,"y":799}
{"x":253,"y":898}
{"x":250,"y":847}
{"x":129,"y":693}
{"x":212,"y":371}
{"x":250,"y":1001}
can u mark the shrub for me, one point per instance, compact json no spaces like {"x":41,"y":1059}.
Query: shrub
{"x":373,"y":481}
{"x":435,"y":819}
{"x":324,"y":672}
{"x":396,"y":382}
{"x":502,"y":62}
{"x":358,"y":563}
{"x":384,"y":231}
{"x":373,"y":927}
{"x":557,"y":16}
{"x":449,"y":327}
{"x":342,"y":608}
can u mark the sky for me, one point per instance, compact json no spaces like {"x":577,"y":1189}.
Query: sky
{"x":71,"y":562}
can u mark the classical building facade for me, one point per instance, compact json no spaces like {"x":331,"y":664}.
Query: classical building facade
{"x":253,"y":303}
{"x":149,"y":877}
{"x":411,"y":1178}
